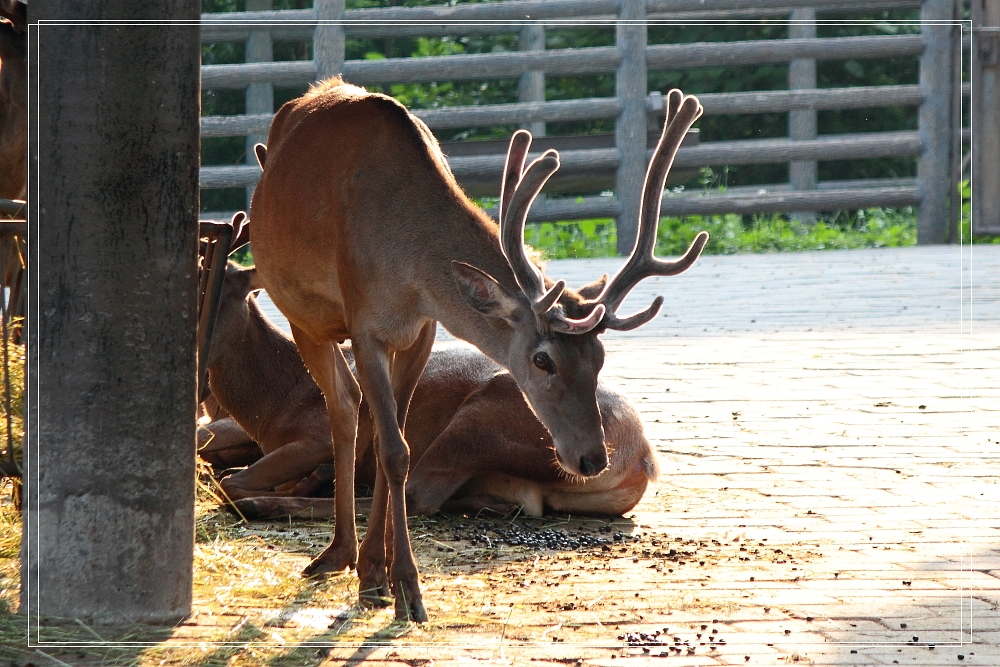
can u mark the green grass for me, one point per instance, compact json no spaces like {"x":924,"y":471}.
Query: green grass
{"x":730,"y":234}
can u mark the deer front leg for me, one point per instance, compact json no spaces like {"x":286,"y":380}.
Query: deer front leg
{"x":382,"y":390}
{"x":329,"y":368}
{"x":292,"y":462}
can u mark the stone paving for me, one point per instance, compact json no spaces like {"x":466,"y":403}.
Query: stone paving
{"x":843,"y":402}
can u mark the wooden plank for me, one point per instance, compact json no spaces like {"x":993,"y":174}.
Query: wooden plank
{"x":591,"y":60}
{"x":986,"y":119}
{"x":290,"y":73}
{"x":531,"y":85}
{"x":756,"y":151}
{"x":259,"y":96}
{"x":561,"y":143}
{"x":783,"y":202}
{"x":934,"y":166}
{"x":328,"y":42}
{"x":298,"y":24}
{"x":732,"y":54}
{"x":630,"y":127}
{"x":596,"y":108}
{"x":603,"y":108}
{"x":829,"y":147}
{"x":802,"y":122}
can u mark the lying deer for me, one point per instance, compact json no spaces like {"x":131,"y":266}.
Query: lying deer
{"x":13,"y":99}
{"x":361,"y":232}
{"x":474,"y":442}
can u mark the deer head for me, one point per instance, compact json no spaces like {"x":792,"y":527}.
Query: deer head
{"x":553,"y":350}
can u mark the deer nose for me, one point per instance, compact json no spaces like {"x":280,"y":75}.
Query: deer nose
{"x":591,"y":465}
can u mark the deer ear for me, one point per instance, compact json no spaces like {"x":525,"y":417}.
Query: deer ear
{"x":483,"y":293}
{"x":594,"y":289}
{"x":254,"y":283}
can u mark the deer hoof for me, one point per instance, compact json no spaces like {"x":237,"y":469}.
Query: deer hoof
{"x":374,"y":596}
{"x":409,"y":606}
{"x":248,"y":508}
{"x":333,"y":560}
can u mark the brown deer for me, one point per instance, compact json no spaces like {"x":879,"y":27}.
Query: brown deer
{"x":362,"y":233}
{"x":474,"y":442}
{"x":13,"y":100}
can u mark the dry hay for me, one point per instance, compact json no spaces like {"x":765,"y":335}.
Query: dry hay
{"x":515,"y":588}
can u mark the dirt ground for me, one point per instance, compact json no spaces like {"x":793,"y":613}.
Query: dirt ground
{"x":829,"y":443}
{"x":560,"y":588}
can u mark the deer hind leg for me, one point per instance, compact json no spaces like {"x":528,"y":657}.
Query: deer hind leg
{"x":389,"y":387}
{"x":224,"y":444}
{"x":329,"y":368}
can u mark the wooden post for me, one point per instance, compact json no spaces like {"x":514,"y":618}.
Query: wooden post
{"x":259,"y":96}
{"x":986,"y":117}
{"x":328,"y":40}
{"x":630,"y":128}
{"x":531,"y":85}
{"x":802,"y":122}
{"x":109,"y":517}
{"x":934,"y":165}
{"x":957,"y":55}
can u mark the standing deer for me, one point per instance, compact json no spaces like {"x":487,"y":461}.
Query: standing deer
{"x":13,"y":100}
{"x":474,"y":442}
{"x":361,"y":232}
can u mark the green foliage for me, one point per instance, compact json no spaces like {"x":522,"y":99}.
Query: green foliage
{"x":577,"y":239}
{"x":965,"y":191}
{"x":874,"y":228}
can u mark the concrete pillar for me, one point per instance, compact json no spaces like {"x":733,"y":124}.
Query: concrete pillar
{"x":934,"y":166}
{"x":531,"y":85}
{"x":328,"y":41}
{"x":986,"y":117}
{"x":259,"y":96}
{"x":630,"y":128}
{"x":802,"y":122}
{"x":109,"y":517}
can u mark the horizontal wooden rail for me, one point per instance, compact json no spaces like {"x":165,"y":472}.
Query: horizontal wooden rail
{"x":595,"y":108}
{"x":721,"y":54}
{"x":817,"y":200}
{"x":830,"y":147}
{"x":754,"y":151}
{"x":606,"y":108}
{"x":591,"y":60}
{"x":868,"y":193}
{"x":299,"y":24}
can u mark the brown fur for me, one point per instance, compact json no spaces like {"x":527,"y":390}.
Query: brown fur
{"x":13,"y":100}
{"x":361,"y":233}
{"x":474,"y":442}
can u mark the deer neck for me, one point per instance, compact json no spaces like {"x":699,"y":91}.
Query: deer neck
{"x":491,"y":335}
{"x":254,"y":371}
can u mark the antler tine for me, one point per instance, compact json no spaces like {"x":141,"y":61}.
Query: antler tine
{"x":514,"y":166}
{"x":682,"y":113}
{"x":528,"y":277}
{"x":241,"y":231}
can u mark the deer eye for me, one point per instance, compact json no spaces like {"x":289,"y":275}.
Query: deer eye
{"x":544,"y":362}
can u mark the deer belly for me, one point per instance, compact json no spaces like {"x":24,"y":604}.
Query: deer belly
{"x":315,"y":307}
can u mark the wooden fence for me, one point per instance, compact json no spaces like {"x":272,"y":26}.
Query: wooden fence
{"x":620,"y":165}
